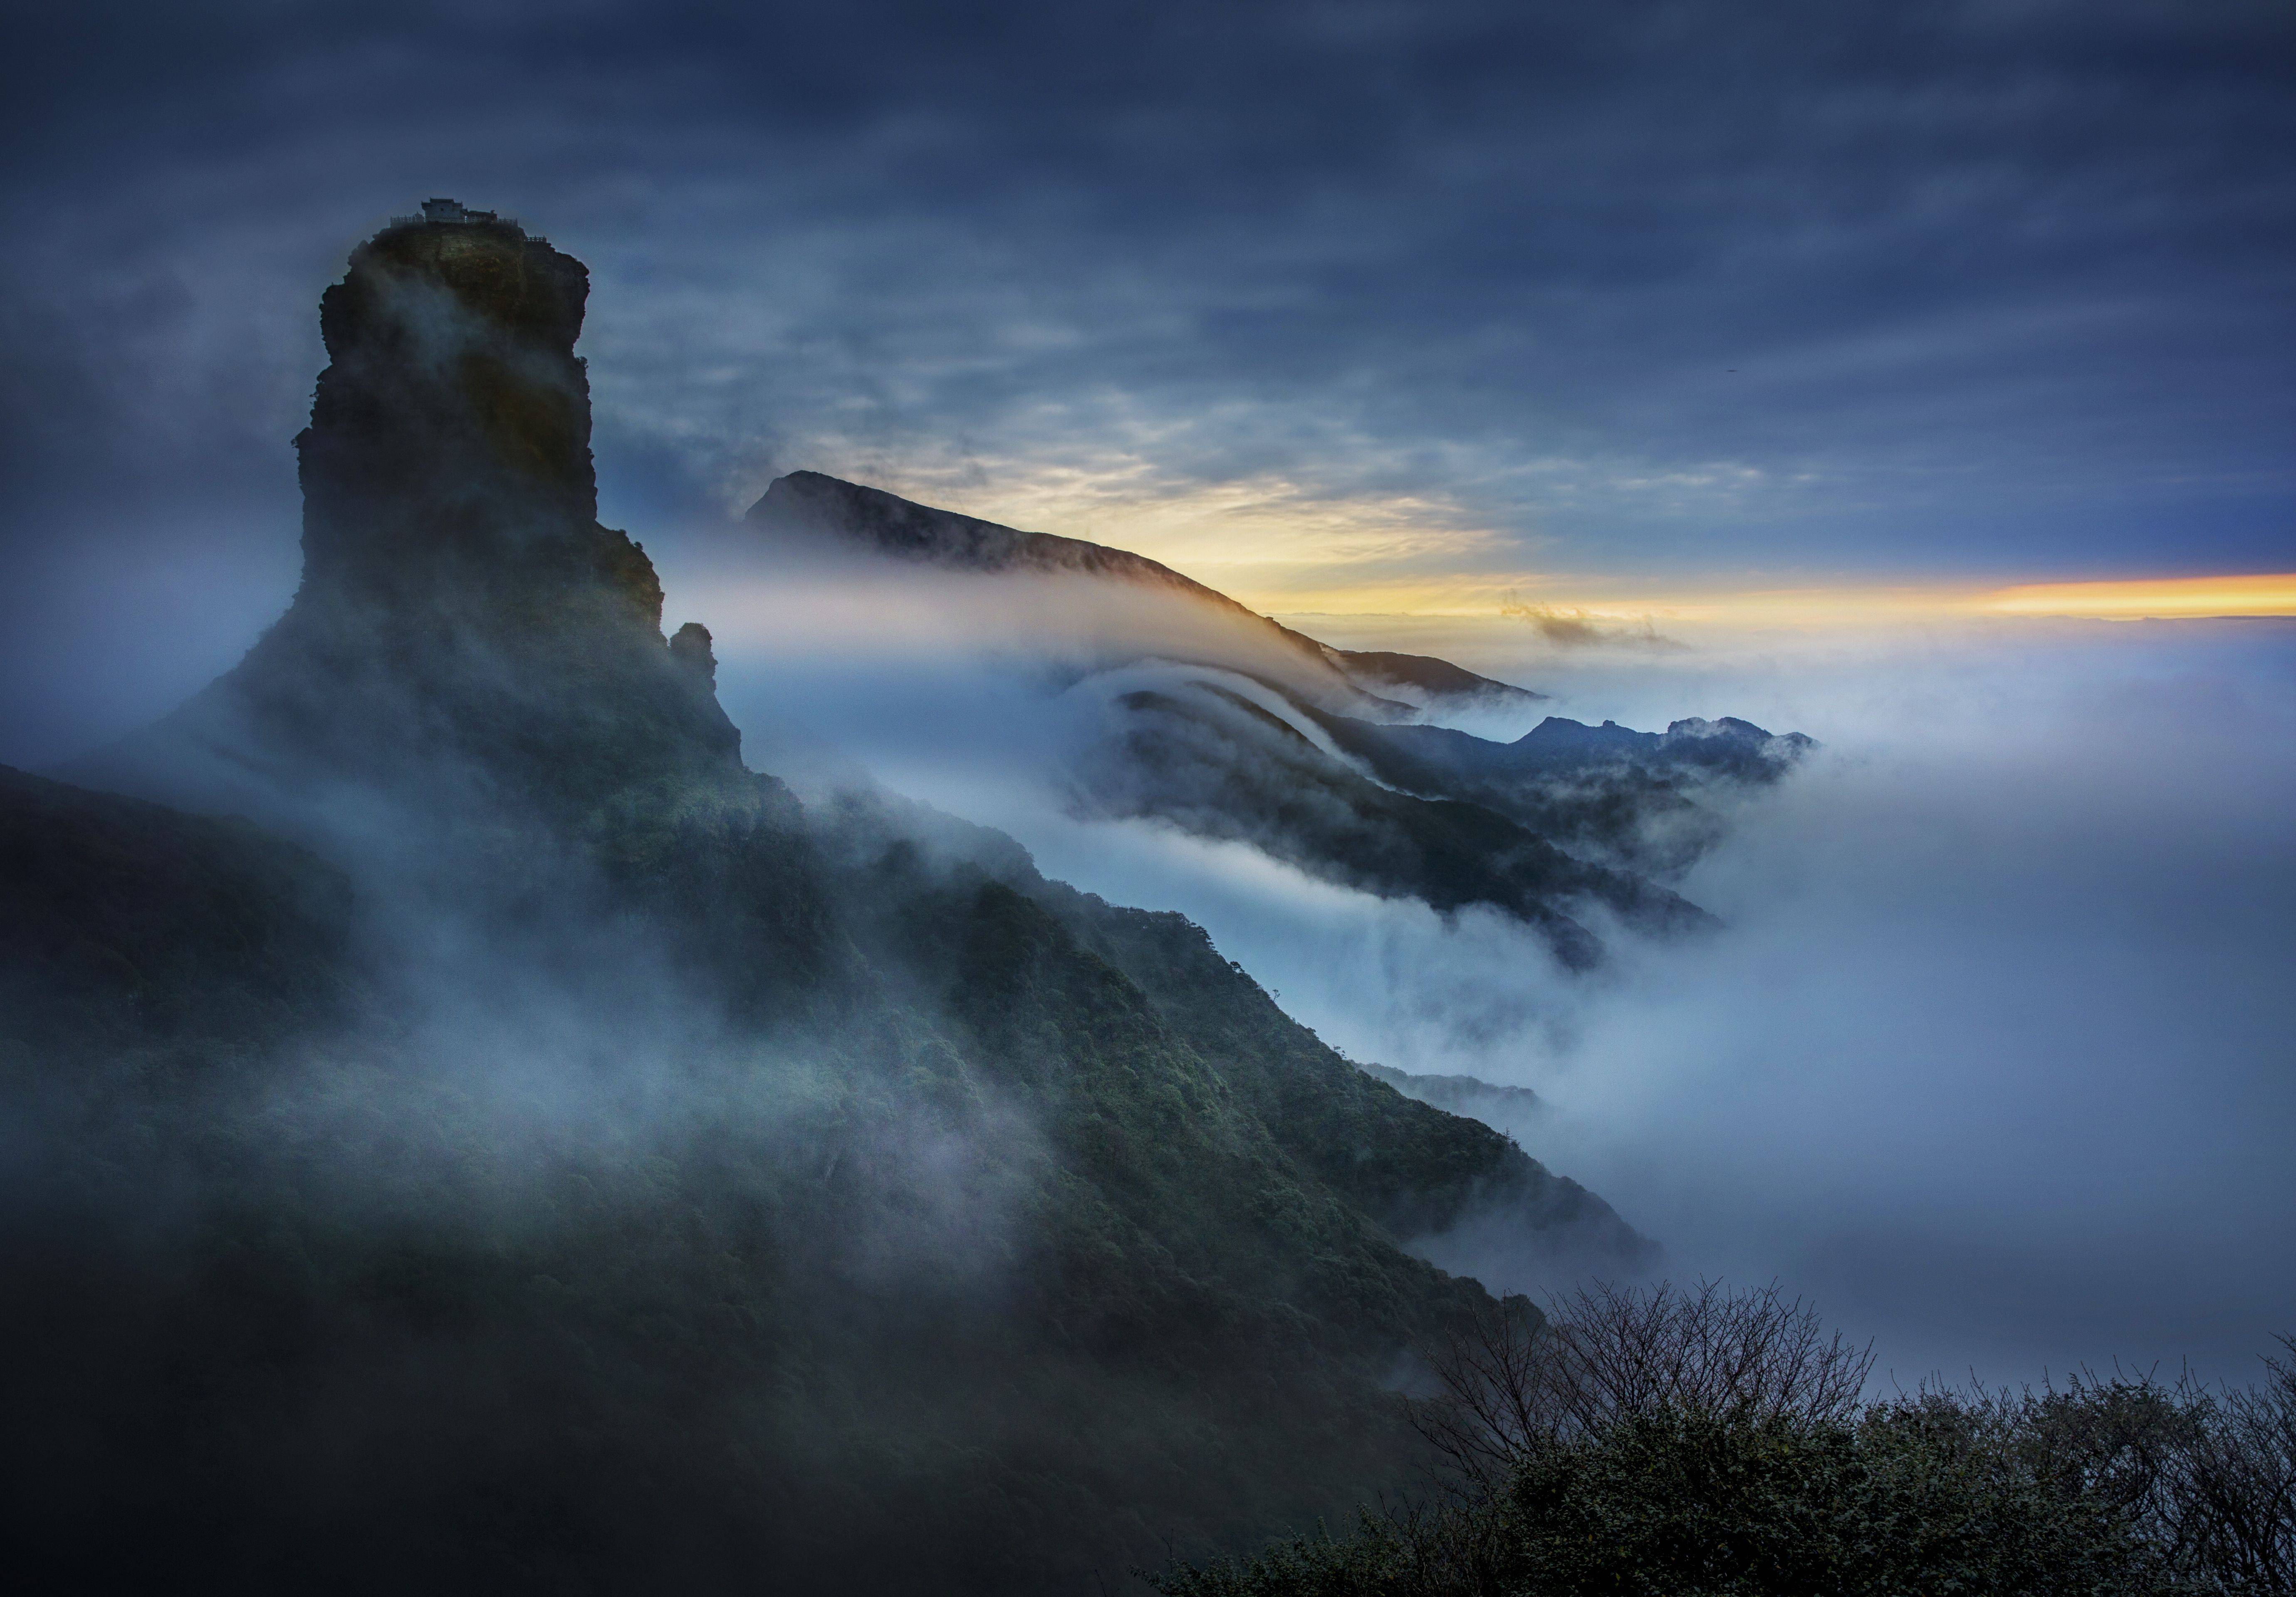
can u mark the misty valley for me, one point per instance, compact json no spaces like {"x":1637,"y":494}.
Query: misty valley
{"x":474,"y":1119}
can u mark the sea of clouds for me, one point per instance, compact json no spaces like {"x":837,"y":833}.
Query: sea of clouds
{"x":1993,"y":1057}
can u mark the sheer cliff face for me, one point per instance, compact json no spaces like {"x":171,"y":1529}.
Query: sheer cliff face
{"x":464,"y":620}
{"x":449,"y":444}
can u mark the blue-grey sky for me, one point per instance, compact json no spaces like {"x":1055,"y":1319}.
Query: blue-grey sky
{"x":1305,"y":295}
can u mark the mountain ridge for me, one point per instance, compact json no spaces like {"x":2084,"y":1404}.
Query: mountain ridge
{"x":905,"y":529}
{"x":1344,"y":784}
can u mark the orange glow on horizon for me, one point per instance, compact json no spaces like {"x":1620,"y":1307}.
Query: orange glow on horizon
{"x":2167,"y":599}
{"x":2195,"y":598}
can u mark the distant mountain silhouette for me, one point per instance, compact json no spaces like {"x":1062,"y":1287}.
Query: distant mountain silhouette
{"x":1304,"y":754}
{"x":808,"y":503}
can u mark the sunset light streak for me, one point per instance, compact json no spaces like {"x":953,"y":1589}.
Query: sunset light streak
{"x":2169,"y":599}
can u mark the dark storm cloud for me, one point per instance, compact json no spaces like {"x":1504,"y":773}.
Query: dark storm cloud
{"x":1992,"y":287}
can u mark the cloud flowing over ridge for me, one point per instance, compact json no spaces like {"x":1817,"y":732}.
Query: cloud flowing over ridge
{"x":1990,"y":1055}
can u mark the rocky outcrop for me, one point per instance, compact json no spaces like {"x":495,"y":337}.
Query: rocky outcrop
{"x":691,"y":648}
{"x":463,"y":619}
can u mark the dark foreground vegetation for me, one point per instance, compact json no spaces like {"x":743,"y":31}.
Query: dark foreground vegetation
{"x":1674,"y":1442}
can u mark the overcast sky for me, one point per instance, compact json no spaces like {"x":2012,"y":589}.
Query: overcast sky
{"x":1300,"y":297}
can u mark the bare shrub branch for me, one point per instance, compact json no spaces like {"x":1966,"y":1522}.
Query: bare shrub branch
{"x":1514,"y":1381}
{"x":2206,"y":1474}
{"x":2238,"y":1486}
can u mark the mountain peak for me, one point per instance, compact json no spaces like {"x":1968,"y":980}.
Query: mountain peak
{"x":459,"y":599}
{"x":449,"y":444}
{"x":881,"y":523}
{"x":839,"y":514}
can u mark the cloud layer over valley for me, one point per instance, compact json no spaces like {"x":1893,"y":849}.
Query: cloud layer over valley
{"x":1990,"y":1056}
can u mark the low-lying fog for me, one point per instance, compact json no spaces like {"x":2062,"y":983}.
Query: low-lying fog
{"x":1994,"y":1059}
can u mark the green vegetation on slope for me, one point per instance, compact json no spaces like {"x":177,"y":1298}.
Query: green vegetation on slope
{"x":1915,"y":1499}
{"x":936,"y":1259}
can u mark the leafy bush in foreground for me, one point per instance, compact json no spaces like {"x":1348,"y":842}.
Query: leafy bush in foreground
{"x":1918,"y":1499}
{"x":1670,"y":1444}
